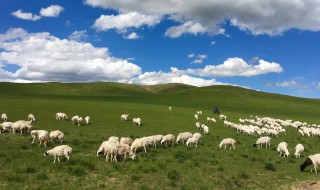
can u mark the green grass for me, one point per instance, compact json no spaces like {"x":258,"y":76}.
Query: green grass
{"x":23,"y":165}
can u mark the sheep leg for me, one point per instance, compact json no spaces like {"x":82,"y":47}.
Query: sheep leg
{"x":58,"y":159}
{"x":54,"y":159}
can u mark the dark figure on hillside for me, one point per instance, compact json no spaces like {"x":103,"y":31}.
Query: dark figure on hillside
{"x":216,"y":110}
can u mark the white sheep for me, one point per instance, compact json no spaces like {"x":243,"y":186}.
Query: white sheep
{"x":87,"y":118}
{"x":5,"y":126}
{"x":227,"y":141}
{"x":199,"y":112}
{"x":205,"y":129}
{"x":224,"y":117}
{"x":138,"y":143}
{"x":196,"y":116}
{"x":75,"y":119}
{"x":4,"y":117}
{"x":35,"y":133}
{"x":311,"y":160}
{"x":111,"y":150}
{"x":283,"y":149}
{"x":261,"y":141}
{"x":56,"y":152}
{"x":211,"y":120}
{"x":61,"y":116}
{"x":44,"y":138}
{"x":197,"y":135}
{"x":80,"y":121}
{"x":193,"y":141}
{"x":137,"y":121}
{"x":113,"y":139}
{"x":124,"y":117}
{"x":199,"y":126}
{"x":31,"y":118}
{"x":170,"y":108}
{"x":123,"y":151}
{"x":126,"y":140}
{"x":299,"y":149}
{"x":101,"y":148}
{"x":183,"y":137}
{"x":157,"y":139}
{"x":168,"y":138}
{"x":56,"y":135}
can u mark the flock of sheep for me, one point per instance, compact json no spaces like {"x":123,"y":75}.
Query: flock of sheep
{"x":118,"y":149}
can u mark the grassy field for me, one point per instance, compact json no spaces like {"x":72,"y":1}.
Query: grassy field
{"x":23,"y":165}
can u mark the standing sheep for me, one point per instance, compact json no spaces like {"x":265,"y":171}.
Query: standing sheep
{"x":35,"y":134}
{"x":311,"y":160}
{"x":137,"y":121}
{"x":261,"y":141}
{"x":299,"y":149}
{"x":56,"y":152}
{"x":168,"y":138}
{"x":124,"y":117}
{"x":183,"y":137}
{"x":61,"y":116}
{"x":56,"y":135}
{"x":227,"y":141}
{"x":4,"y":117}
{"x":31,"y":118}
{"x":44,"y":138}
{"x":193,"y":140}
{"x":283,"y":149}
{"x":87,"y":118}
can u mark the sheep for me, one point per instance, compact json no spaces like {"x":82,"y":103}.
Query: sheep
{"x":299,"y":149}
{"x":55,"y":135}
{"x":170,"y":108}
{"x":44,"y":138}
{"x":5,"y":126}
{"x":123,"y":150}
{"x":192,"y":140}
{"x":124,"y":117}
{"x":198,"y":126}
{"x":224,"y":117}
{"x":168,"y":138}
{"x":87,"y":118}
{"x":80,"y":121}
{"x":113,"y":139}
{"x":61,"y":116}
{"x":126,"y":140}
{"x":227,"y":141}
{"x":197,"y":135}
{"x":75,"y":119}
{"x":101,"y":148}
{"x":16,"y":126}
{"x":31,"y":118}
{"x":111,"y":150}
{"x":4,"y":117}
{"x":56,"y":152}
{"x":35,"y":134}
{"x":199,"y":112}
{"x":261,"y":141}
{"x":196,"y":116}
{"x":24,"y":126}
{"x":311,"y":160}
{"x":205,"y":129}
{"x":183,"y":137}
{"x":138,"y":143}
{"x":211,"y":120}
{"x":283,"y":149}
{"x":137,"y":121}
{"x":157,"y":139}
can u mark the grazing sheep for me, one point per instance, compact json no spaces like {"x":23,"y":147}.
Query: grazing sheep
{"x":211,"y":120}
{"x":5,"y":126}
{"x":80,"y":121}
{"x":183,"y":137}
{"x":16,"y":126}
{"x":261,"y":141}
{"x":199,"y":126}
{"x":311,"y":160}
{"x":196,"y":116}
{"x":31,"y":118}
{"x":126,"y":140}
{"x":168,"y":138}
{"x":124,"y":117}
{"x":123,"y":151}
{"x":170,"y":108}
{"x":157,"y":139}
{"x":197,"y":135}
{"x":75,"y":119}
{"x":101,"y":148}
{"x":224,"y":117}
{"x":138,"y":143}
{"x":227,"y":141}
{"x":61,"y":116}
{"x":299,"y":149}
{"x":205,"y":129}
{"x":199,"y":112}
{"x":283,"y":149}
{"x":87,"y":118}
{"x":4,"y":117}
{"x":35,"y":134}
{"x":44,"y":138}
{"x":193,"y":140}
{"x":111,"y":150}
{"x":113,"y":139}
{"x":137,"y":121}
{"x":56,"y":135}
{"x":56,"y":152}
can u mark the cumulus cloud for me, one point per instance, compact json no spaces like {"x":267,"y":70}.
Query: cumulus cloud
{"x":175,"y":76}
{"x":25,"y":16}
{"x":287,"y":84}
{"x":79,"y":36}
{"x":199,"y":58}
{"x":51,"y":11}
{"x":122,"y":22}
{"x":198,"y":17}
{"x":44,"y":57}
{"x":237,"y":67}
{"x":132,"y":36}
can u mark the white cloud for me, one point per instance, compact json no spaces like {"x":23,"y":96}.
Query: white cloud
{"x":270,"y":17}
{"x":79,"y":36}
{"x":43,"y":57}
{"x":175,"y":76}
{"x":202,"y":56}
{"x":123,"y":21}
{"x":51,"y":11}
{"x":132,"y":36}
{"x":288,"y":84}
{"x":197,"y":61}
{"x":237,"y":67}
{"x":212,"y":42}
{"x":191,"y":55}
{"x":26,"y":16}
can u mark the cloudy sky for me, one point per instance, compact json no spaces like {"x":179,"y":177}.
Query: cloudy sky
{"x":271,"y":45}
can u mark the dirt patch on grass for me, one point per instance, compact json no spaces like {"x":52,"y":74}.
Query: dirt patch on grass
{"x":306,"y":185}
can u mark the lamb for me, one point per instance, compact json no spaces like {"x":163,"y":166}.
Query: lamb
{"x":283,"y":149}
{"x":137,"y":121}
{"x":87,"y":118}
{"x":183,"y":137}
{"x":56,"y":152}
{"x":4,"y":117}
{"x":299,"y":149}
{"x":61,"y":116}
{"x":311,"y":160}
{"x":126,"y":140}
{"x":55,"y":135}
{"x":35,"y":134}
{"x":261,"y":141}
{"x":124,"y":117}
{"x":168,"y":138}
{"x":31,"y":118}
{"x":44,"y":138}
{"x":227,"y":141}
{"x":193,"y":140}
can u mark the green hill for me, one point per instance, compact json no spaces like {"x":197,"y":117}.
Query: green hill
{"x":23,"y":165}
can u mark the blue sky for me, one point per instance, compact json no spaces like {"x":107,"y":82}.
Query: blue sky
{"x":271,"y":45}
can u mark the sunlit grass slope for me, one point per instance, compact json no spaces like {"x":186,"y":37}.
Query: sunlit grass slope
{"x":207,"y":167}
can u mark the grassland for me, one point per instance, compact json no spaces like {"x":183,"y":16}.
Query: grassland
{"x":23,"y":166}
